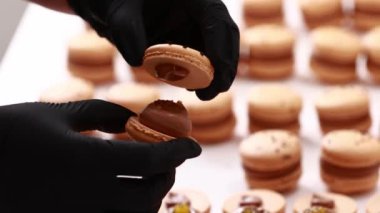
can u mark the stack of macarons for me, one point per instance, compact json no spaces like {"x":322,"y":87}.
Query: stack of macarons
{"x":74,"y":89}
{"x":344,"y":107}
{"x":350,"y":161}
{"x":132,"y":96}
{"x":213,"y":121}
{"x":272,"y":160}
{"x":274,"y":106}
{"x":321,"y":12}
{"x":185,"y":201}
{"x":258,"y":200}
{"x":334,"y":55}
{"x":367,"y":14}
{"x":371,"y":44}
{"x":91,"y":57}
{"x":271,"y":51}
{"x":263,"y":12}
{"x":324,"y":203}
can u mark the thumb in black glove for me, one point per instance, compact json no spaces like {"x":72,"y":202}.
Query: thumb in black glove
{"x":133,"y":25}
{"x":47,"y":166}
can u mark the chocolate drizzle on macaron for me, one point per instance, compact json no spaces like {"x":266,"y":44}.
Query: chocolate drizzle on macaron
{"x":251,"y":204}
{"x":321,"y":204}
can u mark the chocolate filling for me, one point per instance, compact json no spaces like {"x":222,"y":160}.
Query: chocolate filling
{"x":324,"y":18}
{"x":271,"y":174}
{"x":267,"y":124}
{"x":318,"y":200}
{"x":348,"y":172}
{"x":250,"y":200}
{"x":332,"y":64}
{"x":369,"y":13}
{"x":171,"y":72}
{"x":343,"y":123}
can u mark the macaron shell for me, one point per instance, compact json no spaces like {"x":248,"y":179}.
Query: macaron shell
{"x":271,"y":69}
{"x":274,"y":103}
{"x":132,"y":96}
{"x":90,"y":49}
{"x":200,"y":69}
{"x":280,"y":184}
{"x":350,"y":149}
{"x":336,"y":20}
{"x":343,"y":204}
{"x":214,"y":133}
{"x":264,"y":44}
{"x":262,"y":7}
{"x":373,"y":205}
{"x":199,"y":201}
{"x":206,"y":112}
{"x":74,"y":89}
{"x":343,"y":103}
{"x":326,"y":40}
{"x":142,"y":133}
{"x":270,"y":150}
{"x":348,"y":185}
{"x":333,"y":73}
{"x":272,"y":201}
{"x":361,"y":125}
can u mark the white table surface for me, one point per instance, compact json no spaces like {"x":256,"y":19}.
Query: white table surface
{"x":37,"y":59}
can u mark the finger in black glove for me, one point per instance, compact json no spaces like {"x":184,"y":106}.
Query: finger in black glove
{"x":47,"y":166}
{"x":133,"y":25}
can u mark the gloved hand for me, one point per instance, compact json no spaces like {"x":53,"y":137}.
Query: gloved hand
{"x":134,"y":25}
{"x":47,"y":166}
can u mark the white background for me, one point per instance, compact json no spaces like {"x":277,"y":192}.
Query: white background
{"x":37,"y":59}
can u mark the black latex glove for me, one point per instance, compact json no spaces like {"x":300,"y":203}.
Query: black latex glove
{"x":47,"y":166}
{"x":134,"y":25}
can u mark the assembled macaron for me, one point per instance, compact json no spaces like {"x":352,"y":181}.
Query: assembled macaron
{"x":344,"y":107}
{"x":213,"y":121}
{"x":91,"y":57}
{"x":334,"y":56}
{"x":148,"y":126}
{"x":324,"y":203}
{"x":274,"y":106}
{"x":179,"y":66}
{"x":272,"y":160}
{"x":258,"y":200}
{"x":367,"y":14}
{"x":185,"y":201}
{"x":350,"y":161}
{"x":271,"y":51}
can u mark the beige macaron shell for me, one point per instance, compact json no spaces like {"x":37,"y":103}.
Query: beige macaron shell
{"x":371,"y":43}
{"x":274,"y":102}
{"x":199,"y":201}
{"x":350,"y":148}
{"x":272,"y":201}
{"x":368,"y":5}
{"x":320,"y":8}
{"x":133,"y":96}
{"x":214,"y":110}
{"x":89,"y":48}
{"x":269,"y":41}
{"x":199,"y":66}
{"x":373,"y":204}
{"x":336,"y":44}
{"x":270,"y":150}
{"x":262,"y":7}
{"x":343,"y":204}
{"x":74,"y":89}
{"x":345,"y":102}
